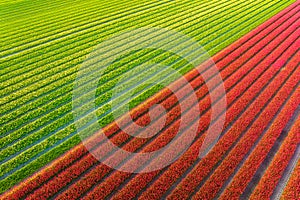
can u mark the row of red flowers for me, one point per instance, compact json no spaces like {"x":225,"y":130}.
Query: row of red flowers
{"x":292,"y":189}
{"x":229,"y":164}
{"x":245,"y":174}
{"x":271,"y":177}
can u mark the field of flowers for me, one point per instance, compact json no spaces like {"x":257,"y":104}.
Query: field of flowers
{"x":255,"y":46}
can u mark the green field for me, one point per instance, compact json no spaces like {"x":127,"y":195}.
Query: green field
{"x":43,"y":44}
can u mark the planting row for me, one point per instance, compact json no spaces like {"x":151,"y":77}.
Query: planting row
{"x":292,"y":190}
{"x":245,"y":174}
{"x":275,"y":170}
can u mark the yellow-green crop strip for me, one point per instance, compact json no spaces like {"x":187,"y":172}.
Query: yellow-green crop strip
{"x":40,"y":58}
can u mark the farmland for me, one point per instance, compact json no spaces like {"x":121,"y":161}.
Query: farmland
{"x":255,"y":46}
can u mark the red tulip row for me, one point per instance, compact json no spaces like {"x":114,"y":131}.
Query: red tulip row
{"x":271,"y":177}
{"x":236,"y":155}
{"x":292,"y":189}
{"x":205,"y":165}
{"x":74,"y":170}
{"x":245,"y":174}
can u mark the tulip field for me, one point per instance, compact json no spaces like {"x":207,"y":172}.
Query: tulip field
{"x":255,"y":47}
